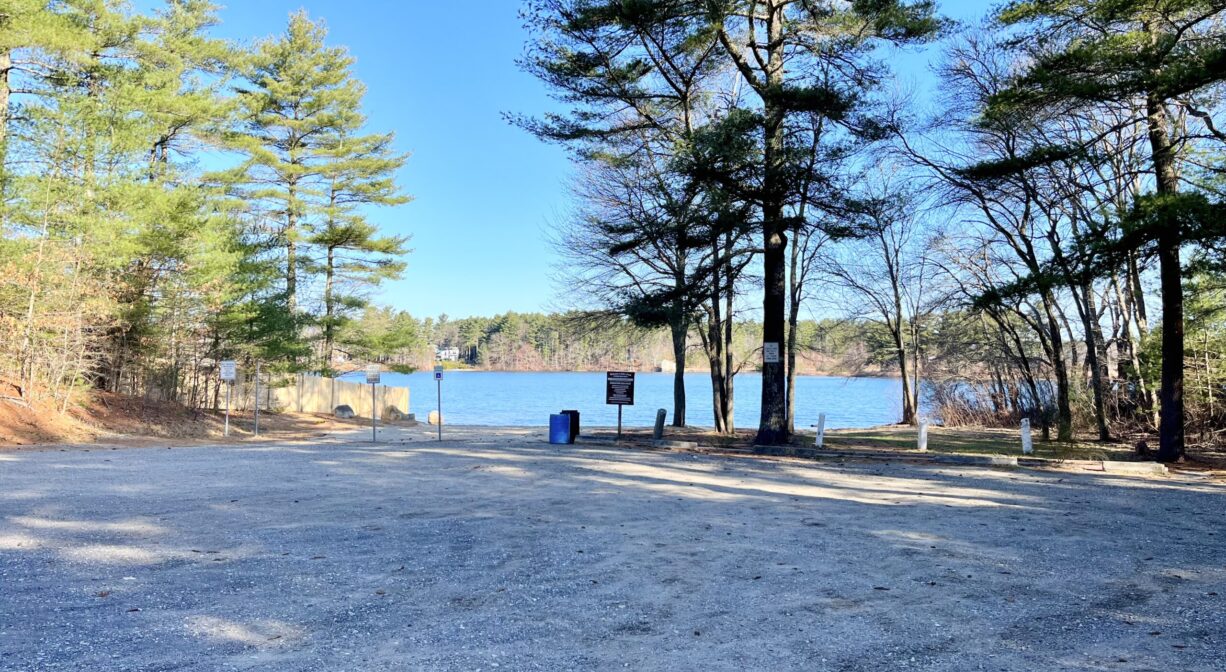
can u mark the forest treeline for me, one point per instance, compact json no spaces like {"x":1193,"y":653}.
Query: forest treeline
{"x":169,"y":200}
{"x":1058,"y":195}
{"x":572,"y":342}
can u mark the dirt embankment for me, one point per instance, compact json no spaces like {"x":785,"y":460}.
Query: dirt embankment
{"x":117,"y":418}
{"x":35,"y":421}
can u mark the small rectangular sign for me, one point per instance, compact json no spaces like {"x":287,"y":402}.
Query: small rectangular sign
{"x":619,"y":388}
{"x":229,"y":371}
{"x":770,"y":353}
{"x":438,"y":373}
{"x":372,"y":374}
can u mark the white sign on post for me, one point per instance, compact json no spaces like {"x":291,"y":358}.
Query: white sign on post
{"x":372,"y":374}
{"x":770,"y":353}
{"x":438,"y":381}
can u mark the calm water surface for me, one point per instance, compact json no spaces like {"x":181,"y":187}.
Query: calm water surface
{"x":527,"y":399}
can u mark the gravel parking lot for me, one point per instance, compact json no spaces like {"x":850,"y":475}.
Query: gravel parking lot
{"x":493,"y":550}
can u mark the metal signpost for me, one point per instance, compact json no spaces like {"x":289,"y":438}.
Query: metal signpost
{"x":256,"y":431}
{"x":372,"y":377}
{"x":438,"y":378}
{"x":619,"y":391}
{"x":228,"y":371}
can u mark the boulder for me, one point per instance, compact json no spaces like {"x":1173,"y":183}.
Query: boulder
{"x":435,"y":418}
{"x":344,"y":412}
{"x":393,"y":414}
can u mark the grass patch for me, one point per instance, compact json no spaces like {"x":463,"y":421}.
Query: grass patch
{"x":972,"y":441}
{"x":965,"y":440}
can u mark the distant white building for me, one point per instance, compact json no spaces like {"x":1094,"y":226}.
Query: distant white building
{"x":447,"y":354}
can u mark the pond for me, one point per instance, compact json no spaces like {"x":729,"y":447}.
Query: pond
{"x":526,"y":399}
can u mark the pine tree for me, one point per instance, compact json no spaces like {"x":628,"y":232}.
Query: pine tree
{"x":184,"y":72}
{"x":1150,"y":56}
{"x":359,"y":172}
{"x":810,"y":59}
{"x":300,"y":92}
{"x":173,"y":91}
{"x":643,"y":81}
{"x":34,"y":38}
{"x":797,"y":61}
{"x":120,"y":267}
{"x":72,"y":135}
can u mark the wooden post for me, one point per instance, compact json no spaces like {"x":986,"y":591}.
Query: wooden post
{"x":820,"y":438}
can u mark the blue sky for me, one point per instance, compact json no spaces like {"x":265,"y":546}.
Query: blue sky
{"x":485,"y":192}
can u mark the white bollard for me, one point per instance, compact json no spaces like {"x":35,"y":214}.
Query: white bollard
{"x":1027,"y":442}
{"x":820,"y":438}
{"x":923,"y":435}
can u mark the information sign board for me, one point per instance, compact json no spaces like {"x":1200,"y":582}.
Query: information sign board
{"x":619,"y":388}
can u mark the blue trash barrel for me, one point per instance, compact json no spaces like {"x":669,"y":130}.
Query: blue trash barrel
{"x":559,"y":429}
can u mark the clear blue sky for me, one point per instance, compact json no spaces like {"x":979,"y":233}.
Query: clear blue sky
{"x":485,"y":191}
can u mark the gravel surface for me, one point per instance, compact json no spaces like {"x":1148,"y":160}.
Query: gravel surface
{"x":495,"y":551}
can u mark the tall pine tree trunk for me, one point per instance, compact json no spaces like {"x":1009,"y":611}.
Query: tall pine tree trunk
{"x":716,"y":361}
{"x":894,"y":263}
{"x":718,"y":337}
{"x":908,"y":400}
{"x":1137,"y":292}
{"x":1095,"y":359}
{"x":680,"y":331}
{"x":1170,"y":427}
{"x":794,"y":290}
{"x":679,"y":324}
{"x":714,"y":341}
{"x":916,"y":371}
{"x":1129,"y":356}
{"x":291,"y":249}
{"x":772,"y":425}
{"x":729,"y":356}
{"x":1064,"y":411}
{"x":715,"y":358}
{"x":329,"y":310}
{"x":6,"y":64}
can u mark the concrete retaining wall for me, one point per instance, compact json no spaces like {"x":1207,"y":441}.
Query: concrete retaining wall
{"x":314,"y":394}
